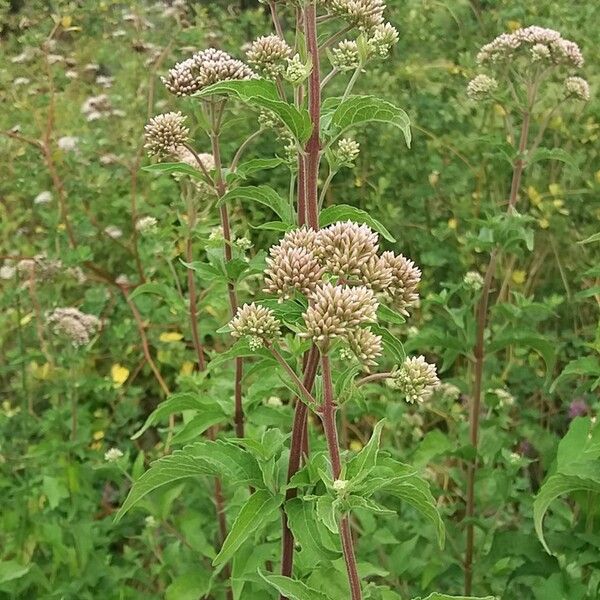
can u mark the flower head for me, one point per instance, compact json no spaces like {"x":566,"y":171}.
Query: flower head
{"x":383,"y":37}
{"x":416,"y":379}
{"x":335,"y":310}
{"x":303,"y":237}
{"x":268,"y":54}
{"x":376,"y":274}
{"x":113,"y":455}
{"x":364,"y":14}
{"x":257,"y":323}
{"x":405,"y":279}
{"x":365,"y":345}
{"x":542,"y":44}
{"x":203,"y":69}
{"x":75,"y":325}
{"x":165,"y":134}
{"x":348,"y":151}
{"x":473,"y":280}
{"x":292,"y":269}
{"x":345,"y":56}
{"x":577,"y":87}
{"x":345,"y":247}
{"x":146,"y":224}
{"x":481,"y":87}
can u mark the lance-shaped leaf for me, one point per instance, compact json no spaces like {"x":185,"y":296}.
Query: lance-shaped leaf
{"x":357,"y":110}
{"x":216,"y":458}
{"x":292,"y":589}
{"x":555,"y":486}
{"x":175,"y":404}
{"x":263,"y":194}
{"x":263,"y":94}
{"x":258,"y":510}
{"x":364,"y":462}
{"x":438,"y":596}
{"x":175,"y":167}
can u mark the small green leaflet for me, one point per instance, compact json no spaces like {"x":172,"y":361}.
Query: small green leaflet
{"x":263,"y":94}
{"x":259,"y":509}
{"x":291,"y":588}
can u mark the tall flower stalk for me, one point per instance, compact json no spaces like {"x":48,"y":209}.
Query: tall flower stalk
{"x":524,"y":61}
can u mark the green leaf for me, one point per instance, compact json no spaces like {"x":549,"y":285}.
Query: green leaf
{"x":555,"y":486}
{"x":173,"y":404}
{"x":367,"y":109}
{"x":207,"y":417}
{"x":416,"y":492}
{"x":257,"y":164}
{"x":11,"y":569}
{"x":545,"y":348}
{"x":308,"y":531}
{"x":263,"y":194}
{"x":364,"y":462}
{"x":552,"y":154}
{"x":391,"y":343}
{"x":343,"y":212}
{"x":385,"y":313}
{"x":326,"y":512}
{"x":587,"y":366}
{"x":259,"y":509}
{"x":438,"y":596}
{"x":175,"y":167}
{"x":273,"y":226}
{"x":261,"y":93}
{"x":218,"y":458}
{"x":291,"y":588}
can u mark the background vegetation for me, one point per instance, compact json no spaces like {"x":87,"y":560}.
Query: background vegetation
{"x":72,"y":189}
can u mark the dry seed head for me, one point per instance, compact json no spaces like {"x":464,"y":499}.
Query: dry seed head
{"x":365,"y":345}
{"x":416,"y":379}
{"x":268,"y":54}
{"x":345,"y":247}
{"x":165,"y":134}
{"x":292,"y":270}
{"x":257,"y":323}
{"x":405,"y":279}
{"x":203,"y":69}
{"x":337,"y":309}
{"x":75,"y":325}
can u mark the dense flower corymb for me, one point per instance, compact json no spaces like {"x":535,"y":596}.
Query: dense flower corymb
{"x":365,"y":345}
{"x":165,"y":134}
{"x":544,"y":44}
{"x":405,"y":279}
{"x":364,"y":14}
{"x":416,"y":379}
{"x":481,"y":87}
{"x":335,"y":310}
{"x":257,"y":323}
{"x":268,"y":54}
{"x":577,"y":87}
{"x":203,"y":69}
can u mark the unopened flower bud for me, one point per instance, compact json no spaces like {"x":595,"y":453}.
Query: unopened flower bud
{"x":416,"y":379}
{"x":257,"y":323}
{"x":165,"y":134}
{"x":268,"y":55}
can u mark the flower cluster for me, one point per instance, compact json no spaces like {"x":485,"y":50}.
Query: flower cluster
{"x":203,"y":69}
{"x":347,"y":151}
{"x":73,"y":324}
{"x":268,"y":55}
{"x":539,"y":42}
{"x":416,"y":379}
{"x":165,"y":134}
{"x":578,"y":88}
{"x":364,"y":14}
{"x":255,"y":322}
{"x":481,"y":87}
{"x":339,"y":271}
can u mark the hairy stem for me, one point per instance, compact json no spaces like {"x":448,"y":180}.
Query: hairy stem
{"x":479,"y":353}
{"x":328,"y":411}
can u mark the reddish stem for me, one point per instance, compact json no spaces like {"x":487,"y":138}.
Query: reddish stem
{"x":298,"y":433}
{"x":313,"y":146}
{"x":328,"y":411}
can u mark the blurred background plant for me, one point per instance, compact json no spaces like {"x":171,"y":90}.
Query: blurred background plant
{"x":78,"y":82}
